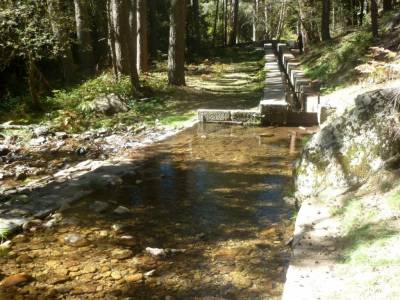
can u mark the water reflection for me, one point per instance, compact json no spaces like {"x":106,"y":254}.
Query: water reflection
{"x":213,"y":190}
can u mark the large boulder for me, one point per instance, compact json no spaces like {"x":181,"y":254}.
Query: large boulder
{"x":108,"y":105}
{"x":347,"y":150}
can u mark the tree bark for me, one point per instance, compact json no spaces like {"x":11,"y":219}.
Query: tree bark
{"x":83,"y":32}
{"x":111,"y":39}
{"x":215,"y":22}
{"x":196,"y":24}
{"x":387,"y":5}
{"x":176,"y":51}
{"x":256,"y":6}
{"x":325,"y":20}
{"x":119,"y":22}
{"x":61,"y":35}
{"x":225,"y":22}
{"x":267,"y":33}
{"x":233,"y":37}
{"x":374,"y":19}
{"x":153,"y":30}
{"x":281,"y":22}
{"x":132,"y":46}
{"x":142,"y":37}
{"x":308,"y":33}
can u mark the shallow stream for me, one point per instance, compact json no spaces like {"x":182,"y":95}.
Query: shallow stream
{"x":215,"y":193}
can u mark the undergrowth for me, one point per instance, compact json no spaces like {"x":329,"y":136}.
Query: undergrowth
{"x":234,"y":78}
{"x":333,"y":63}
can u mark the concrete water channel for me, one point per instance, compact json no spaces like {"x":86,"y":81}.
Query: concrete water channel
{"x":215,"y":193}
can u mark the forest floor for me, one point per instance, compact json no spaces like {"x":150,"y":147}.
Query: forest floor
{"x":73,"y":129}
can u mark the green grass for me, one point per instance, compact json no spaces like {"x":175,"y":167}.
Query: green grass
{"x":394,"y":200}
{"x":231,"y":77}
{"x":333,"y":63}
{"x":366,"y":239}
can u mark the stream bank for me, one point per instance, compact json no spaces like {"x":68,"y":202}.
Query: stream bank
{"x":348,"y":229}
{"x":36,"y":158}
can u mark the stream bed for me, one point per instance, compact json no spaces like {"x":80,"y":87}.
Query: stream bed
{"x":204,"y":217}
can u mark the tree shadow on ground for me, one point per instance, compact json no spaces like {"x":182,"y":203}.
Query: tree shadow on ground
{"x":191,"y":194}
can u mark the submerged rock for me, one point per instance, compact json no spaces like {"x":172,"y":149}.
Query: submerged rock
{"x":99,"y":206}
{"x":347,"y":150}
{"x":157,"y":252}
{"x":4,"y":150}
{"x":16,"y":279}
{"x":75,"y":240}
{"x":121,"y":254}
{"x":122,"y":210}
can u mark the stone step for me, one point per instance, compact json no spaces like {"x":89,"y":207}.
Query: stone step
{"x":238,"y":116}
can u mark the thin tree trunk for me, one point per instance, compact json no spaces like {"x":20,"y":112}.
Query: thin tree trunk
{"x":225,"y":22}
{"x":132,"y":46}
{"x":119,"y":17}
{"x":374,"y":19}
{"x":176,"y":51}
{"x":153,"y":30}
{"x":111,"y":39}
{"x":309,"y":28}
{"x":215,"y":22}
{"x":266,"y":20}
{"x":142,"y":36}
{"x":325,"y":20}
{"x":303,"y":23}
{"x":84,"y":37}
{"x":387,"y":5}
{"x":362,"y":12}
{"x":256,"y":6}
{"x":282,"y":15}
{"x":233,"y":38}
{"x":196,"y":24}
{"x":61,"y":35}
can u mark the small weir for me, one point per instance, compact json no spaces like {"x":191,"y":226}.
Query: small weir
{"x":290,"y":99}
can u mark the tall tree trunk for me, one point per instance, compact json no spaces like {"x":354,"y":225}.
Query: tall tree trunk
{"x":325,"y":20}
{"x":119,"y":22}
{"x":142,"y":37}
{"x":266,"y":20}
{"x":225,"y":22}
{"x":84,"y":37}
{"x":362,"y":12}
{"x":111,"y":38}
{"x":233,"y":37}
{"x":34,"y":85}
{"x":281,"y":22}
{"x":374,"y":19}
{"x":132,"y":45}
{"x":196,"y":24}
{"x":215,"y":26}
{"x":176,"y":51}
{"x":61,"y":35}
{"x":308,"y":32}
{"x":256,"y":6}
{"x":153,"y":30}
{"x":387,"y":5}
